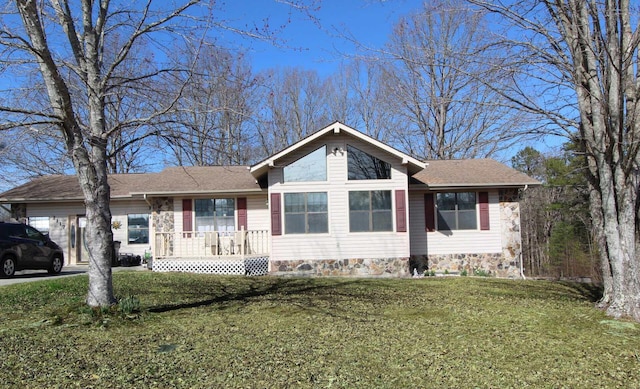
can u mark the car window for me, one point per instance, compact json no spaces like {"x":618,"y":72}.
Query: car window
{"x":16,"y":230}
{"x":34,"y":234}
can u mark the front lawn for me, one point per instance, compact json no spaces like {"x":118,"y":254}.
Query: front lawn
{"x":236,"y":332}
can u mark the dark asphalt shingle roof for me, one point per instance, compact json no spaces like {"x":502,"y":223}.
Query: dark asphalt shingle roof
{"x":469,"y":173}
{"x":173,"y":180}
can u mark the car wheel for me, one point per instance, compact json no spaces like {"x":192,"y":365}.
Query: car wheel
{"x":56,"y":265}
{"x":8,"y":266}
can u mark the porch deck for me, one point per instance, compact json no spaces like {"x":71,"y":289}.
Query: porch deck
{"x":244,"y":252}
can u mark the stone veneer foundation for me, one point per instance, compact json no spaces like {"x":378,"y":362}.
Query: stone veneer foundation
{"x":495,"y":264}
{"x":363,"y":267}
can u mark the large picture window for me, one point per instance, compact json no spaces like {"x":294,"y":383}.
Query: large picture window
{"x":364,"y":166}
{"x":305,"y":213}
{"x":456,"y":211}
{"x":215,"y":214}
{"x":370,"y":211}
{"x":138,"y":228}
{"x":311,"y":167}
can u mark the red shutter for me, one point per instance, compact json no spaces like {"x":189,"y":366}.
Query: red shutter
{"x":187,"y":208}
{"x":242,"y":213}
{"x":429,"y":213}
{"x":401,"y":211}
{"x":484,"y":210}
{"x":276,"y":220}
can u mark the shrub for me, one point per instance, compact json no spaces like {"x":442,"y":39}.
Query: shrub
{"x":481,"y":273}
{"x":129,"y":307}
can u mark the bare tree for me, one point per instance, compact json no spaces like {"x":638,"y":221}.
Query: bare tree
{"x":583,"y":55}
{"x":40,"y":148}
{"x":368,"y":106}
{"x":294,"y":105}
{"x":434,"y":83}
{"x":210,"y":123}
{"x":92,"y":41}
{"x":63,"y":38}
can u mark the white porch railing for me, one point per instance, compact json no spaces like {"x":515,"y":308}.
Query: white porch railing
{"x":211,"y":244}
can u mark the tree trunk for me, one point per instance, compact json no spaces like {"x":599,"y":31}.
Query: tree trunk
{"x":597,"y":221}
{"x":89,"y":161}
{"x":99,"y":236}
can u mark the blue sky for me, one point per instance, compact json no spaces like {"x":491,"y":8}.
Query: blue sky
{"x":320,"y":46}
{"x":314,"y":46}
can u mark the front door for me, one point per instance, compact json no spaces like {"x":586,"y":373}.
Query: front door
{"x":72,"y":244}
{"x":78,"y":252}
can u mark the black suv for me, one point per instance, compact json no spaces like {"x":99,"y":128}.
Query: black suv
{"x":23,"y":247}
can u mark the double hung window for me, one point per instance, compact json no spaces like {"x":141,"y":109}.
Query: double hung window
{"x":370,"y":211}
{"x":305,"y":213}
{"x":138,"y":228}
{"x":456,"y":211}
{"x":215,"y":214}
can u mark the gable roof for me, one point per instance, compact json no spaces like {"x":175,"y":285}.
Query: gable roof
{"x":414,"y":165}
{"x":208,"y":180}
{"x":467,"y":173}
{"x":192,"y":180}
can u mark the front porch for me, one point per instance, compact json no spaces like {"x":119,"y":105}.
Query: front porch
{"x":212,"y":252}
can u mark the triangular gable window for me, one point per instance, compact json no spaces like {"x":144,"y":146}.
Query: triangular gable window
{"x":364,"y":166}
{"x":311,"y":167}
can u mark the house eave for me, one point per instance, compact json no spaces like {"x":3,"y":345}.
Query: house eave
{"x":441,"y":187}
{"x":200,"y":193}
{"x":31,"y":201}
{"x":133,"y":196}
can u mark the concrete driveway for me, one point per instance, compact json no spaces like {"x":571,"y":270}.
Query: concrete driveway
{"x":67,"y":271}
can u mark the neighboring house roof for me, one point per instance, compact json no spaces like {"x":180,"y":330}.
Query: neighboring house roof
{"x":466,"y":173}
{"x":414,"y":165}
{"x":192,"y":180}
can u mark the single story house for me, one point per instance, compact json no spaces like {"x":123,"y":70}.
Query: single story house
{"x":337,"y":202}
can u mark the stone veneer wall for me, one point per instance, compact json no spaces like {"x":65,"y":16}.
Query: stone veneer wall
{"x":163,"y":218}
{"x":369,"y":267}
{"x":511,"y":237}
{"x":19,"y":212}
{"x":495,"y":264}
{"x":504,"y":264}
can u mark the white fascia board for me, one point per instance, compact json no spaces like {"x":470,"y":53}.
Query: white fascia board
{"x":336,"y":128}
{"x":454,"y":187}
{"x":270,"y":161}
